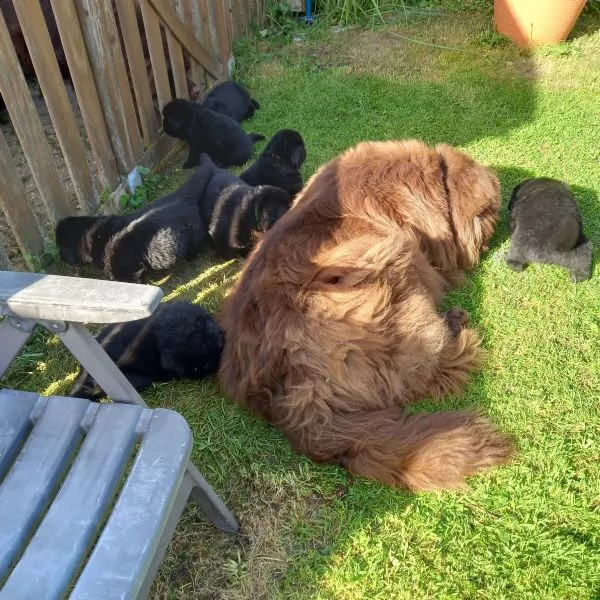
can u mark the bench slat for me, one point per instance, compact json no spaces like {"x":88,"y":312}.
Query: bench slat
{"x":14,"y":424}
{"x":62,"y":540}
{"x":124,"y":551}
{"x":25,"y":491}
{"x":59,"y":298}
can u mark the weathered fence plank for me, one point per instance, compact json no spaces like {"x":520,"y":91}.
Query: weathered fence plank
{"x":5,"y":264}
{"x":157,"y":53}
{"x":191,"y":12}
{"x":99,"y":28}
{"x":85,"y":89}
{"x":188,"y":12}
{"x":176,"y":60}
{"x":137,"y":69}
{"x":220,"y":14}
{"x":177,"y":67}
{"x":46,"y":67}
{"x":30,"y":132}
{"x":246,"y":15}
{"x":169,"y":17}
{"x":16,"y":208}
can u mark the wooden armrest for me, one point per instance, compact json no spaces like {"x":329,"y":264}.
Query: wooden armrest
{"x":58,"y":298}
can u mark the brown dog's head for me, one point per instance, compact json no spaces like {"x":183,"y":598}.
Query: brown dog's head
{"x":473,"y":195}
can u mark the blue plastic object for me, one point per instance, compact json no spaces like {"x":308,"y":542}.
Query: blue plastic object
{"x":308,"y":17}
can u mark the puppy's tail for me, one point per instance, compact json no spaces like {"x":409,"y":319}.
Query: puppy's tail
{"x":256,"y":137}
{"x":254,"y":103}
{"x":419,"y":451}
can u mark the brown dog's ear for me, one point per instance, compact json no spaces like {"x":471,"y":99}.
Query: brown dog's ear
{"x":473,"y":201}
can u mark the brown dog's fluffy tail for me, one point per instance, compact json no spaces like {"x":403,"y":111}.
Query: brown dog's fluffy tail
{"x":420,"y":452}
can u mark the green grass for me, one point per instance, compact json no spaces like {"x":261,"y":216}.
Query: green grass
{"x":529,"y":530}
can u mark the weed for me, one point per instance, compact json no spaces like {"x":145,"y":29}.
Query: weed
{"x":40,"y":262}
{"x":152,"y":186}
{"x":490,"y":39}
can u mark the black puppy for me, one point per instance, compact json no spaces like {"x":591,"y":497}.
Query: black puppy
{"x":232,"y":99}
{"x":159,"y":234}
{"x":546,"y":227}
{"x":179,"y":340}
{"x":205,"y":130}
{"x":279,"y":163}
{"x":153,"y":237}
{"x":236,"y":211}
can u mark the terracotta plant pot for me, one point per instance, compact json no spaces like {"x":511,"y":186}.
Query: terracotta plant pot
{"x":531,"y":23}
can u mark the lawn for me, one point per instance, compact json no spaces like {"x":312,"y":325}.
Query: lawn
{"x":529,"y":530}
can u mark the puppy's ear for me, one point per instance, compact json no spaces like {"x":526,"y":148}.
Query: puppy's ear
{"x":271,"y":204}
{"x":298,"y":156}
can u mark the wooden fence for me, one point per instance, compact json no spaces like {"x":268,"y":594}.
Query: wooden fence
{"x":125,"y":59}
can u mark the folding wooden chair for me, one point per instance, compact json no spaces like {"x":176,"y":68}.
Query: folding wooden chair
{"x":90,"y":494}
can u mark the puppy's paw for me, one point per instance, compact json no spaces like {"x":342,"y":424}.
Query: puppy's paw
{"x":579,"y":276}
{"x":457,"y":319}
{"x":515,"y":265}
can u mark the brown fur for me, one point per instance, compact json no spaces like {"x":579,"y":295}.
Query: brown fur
{"x":334,"y":326}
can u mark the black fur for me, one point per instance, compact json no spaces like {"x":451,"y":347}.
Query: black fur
{"x":154,"y":237}
{"x":179,"y":340}
{"x":82,"y":240}
{"x":236,"y":211}
{"x":546,"y":227}
{"x":279,"y":163}
{"x":205,"y":130}
{"x":232,"y":99}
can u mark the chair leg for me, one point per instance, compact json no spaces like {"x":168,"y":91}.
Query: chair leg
{"x":167,"y":534}
{"x":91,"y":355}
{"x":86,"y":349}
{"x":12,"y":339}
{"x":207,"y":499}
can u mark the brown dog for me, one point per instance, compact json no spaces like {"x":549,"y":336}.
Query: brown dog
{"x":333,"y":325}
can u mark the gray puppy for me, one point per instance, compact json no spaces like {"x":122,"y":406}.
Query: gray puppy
{"x":546,"y":227}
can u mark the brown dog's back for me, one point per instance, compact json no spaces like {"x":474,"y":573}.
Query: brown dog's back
{"x":333,"y":325}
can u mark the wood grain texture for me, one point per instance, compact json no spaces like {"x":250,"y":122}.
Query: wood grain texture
{"x":86,"y":91}
{"x":59,"y":298}
{"x":169,"y":17}
{"x":16,"y":207}
{"x":104,"y":50}
{"x":137,"y":69}
{"x":35,"y":31}
{"x":157,"y":53}
{"x":30,"y":131}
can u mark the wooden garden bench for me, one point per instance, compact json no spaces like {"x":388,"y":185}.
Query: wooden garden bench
{"x":90,"y":493}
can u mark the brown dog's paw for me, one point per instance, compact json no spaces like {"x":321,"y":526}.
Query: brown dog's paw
{"x":457,"y":319}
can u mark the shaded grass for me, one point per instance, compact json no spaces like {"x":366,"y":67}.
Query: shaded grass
{"x":529,"y":530}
